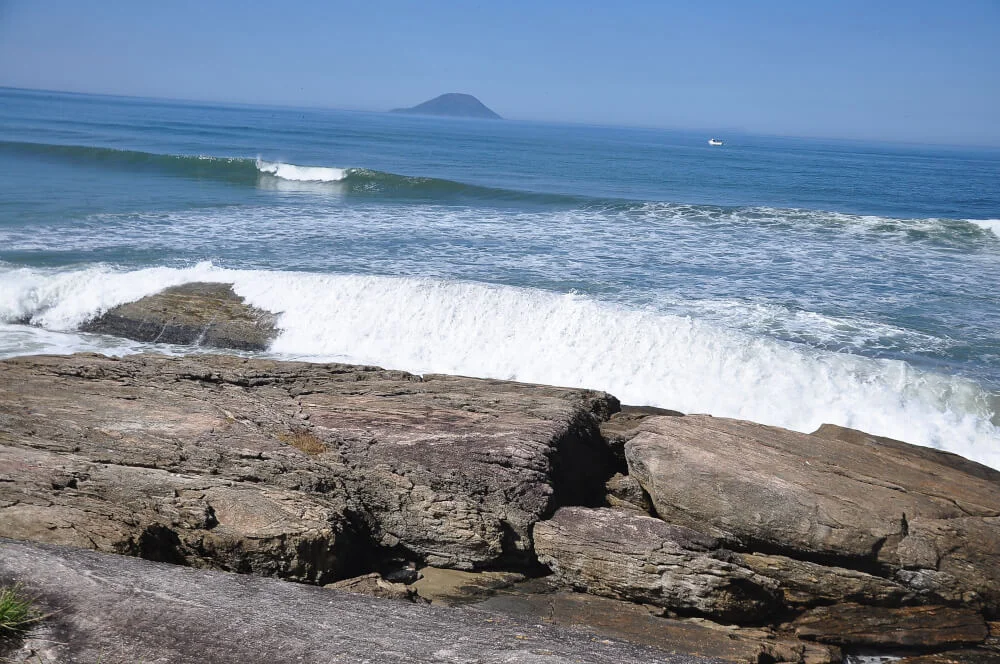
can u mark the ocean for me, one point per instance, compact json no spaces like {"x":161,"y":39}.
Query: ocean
{"x":788,"y":281}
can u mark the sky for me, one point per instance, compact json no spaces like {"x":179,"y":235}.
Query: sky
{"x":913,"y":71}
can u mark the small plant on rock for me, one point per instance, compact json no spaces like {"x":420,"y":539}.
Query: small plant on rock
{"x":17,"y":613}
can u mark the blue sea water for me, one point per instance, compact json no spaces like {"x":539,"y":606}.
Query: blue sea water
{"x":789,"y":281}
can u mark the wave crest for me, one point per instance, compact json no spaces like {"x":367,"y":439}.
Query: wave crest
{"x":641,"y":356}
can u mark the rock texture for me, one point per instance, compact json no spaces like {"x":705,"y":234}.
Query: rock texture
{"x":920,"y":626}
{"x":197,"y":313}
{"x":928,"y":518}
{"x":292,"y":469}
{"x":625,"y":555}
{"x":116,"y":610}
{"x":636,"y":624}
{"x":375,"y":586}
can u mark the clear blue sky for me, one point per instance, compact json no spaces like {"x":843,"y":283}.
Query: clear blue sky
{"x":911,"y":71}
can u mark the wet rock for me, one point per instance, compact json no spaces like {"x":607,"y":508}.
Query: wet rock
{"x":634,"y":623}
{"x":375,"y":586}
{"x":625,"y":555}
{"x":451,"y":587}
{"x":932,"y":627}
{"x":197,"y":313}
{"x":232,"y":462}
{"x":928,"y":518}
{"x":107,"y":608}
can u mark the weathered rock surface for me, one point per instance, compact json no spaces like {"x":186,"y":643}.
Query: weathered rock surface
{"x":929,"y":518}
{"x":625,"y":492}
{"x":375,"y":586}
{"x":288,"y":468}
{"x":197,"y":313}
{"x":805,"y":583}
{"x":636,"y":624}
{"x":452,"y":587}
{"x":118,"y":610}
{"x":625,"y":555}
{"x":963,"y":656}
{"x":911,"y":627}
{"x":623,"y":425}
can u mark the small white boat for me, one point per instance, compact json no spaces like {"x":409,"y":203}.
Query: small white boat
{"x":714,"y":141}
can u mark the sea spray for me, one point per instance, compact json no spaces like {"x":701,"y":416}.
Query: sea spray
{"x":642,"y":355}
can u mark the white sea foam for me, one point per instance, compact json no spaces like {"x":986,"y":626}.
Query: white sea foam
{"x":641,"y":356}
{"x":987,"y":224}
{"x":301,"y":173}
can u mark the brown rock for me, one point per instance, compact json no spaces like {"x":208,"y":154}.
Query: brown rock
{"x":197,"y":313}
{"x":964,"y":656}
{"x":626,"y":493}
{"x":805,"y":583}
{"x":233,"y":462}
{"x":625,"y":555}
{"x":932,"y":627}
{"x":374,"y":585}
{"x":620,"y":427}
{"x":635,"y":624}
{"x":452,"y":587}
{"x":927,"y":516}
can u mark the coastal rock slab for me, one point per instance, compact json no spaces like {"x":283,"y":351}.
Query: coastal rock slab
{"x":929,"y":518}
{"x":107,"y":608}
{"x":634,"y":623}
{"x":197,"y":313}
{"x":625,"y":555}
{"x":805,"y":583}
{"x":909,"y":627}
{"x":452,"y":471}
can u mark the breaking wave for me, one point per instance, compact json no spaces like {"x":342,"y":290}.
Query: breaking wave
{"x":643,"y":356}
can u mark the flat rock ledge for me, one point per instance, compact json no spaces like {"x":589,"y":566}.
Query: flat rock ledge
{"x":688,"y":534}
{"x":108,"y":608}
{"x":196,"y":313}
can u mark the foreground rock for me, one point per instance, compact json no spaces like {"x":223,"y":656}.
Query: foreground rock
{"x":293,"y":469}
{"x":912,"y":627}
{"x":928,"y":519}
{"x":106,"y":608}
{"x":636,"y":624}
{"x":197,"y":313}
{"x":624,"y":555}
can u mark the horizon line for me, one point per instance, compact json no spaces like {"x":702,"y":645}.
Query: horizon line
{"x":595,"y":124}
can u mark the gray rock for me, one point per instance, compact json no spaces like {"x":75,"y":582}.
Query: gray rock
{"x":625,"y":555}
{"x":929,"y":517}
{"x":288,"y":468}
{"x":197,"y":313}
{"x":116,"y":610}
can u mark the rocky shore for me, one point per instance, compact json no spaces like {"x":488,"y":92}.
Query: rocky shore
{"x":596,"y":532}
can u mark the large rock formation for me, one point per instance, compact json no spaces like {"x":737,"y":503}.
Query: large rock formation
{"x":106,"y":608}
{"x":197,"y":313}
{"x":624,"y":555}
{"x":928,"y":519}
{"x":292,"y":469}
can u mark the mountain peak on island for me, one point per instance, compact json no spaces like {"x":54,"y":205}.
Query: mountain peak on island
{"x":452,"y":104}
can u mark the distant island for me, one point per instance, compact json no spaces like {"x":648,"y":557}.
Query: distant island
{"x":452,"y":104}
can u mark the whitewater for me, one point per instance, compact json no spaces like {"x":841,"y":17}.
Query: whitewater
{"x":644,"y":357}
{"x":791,"y":282}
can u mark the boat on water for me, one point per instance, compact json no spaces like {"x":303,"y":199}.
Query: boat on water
{"x":714,"y":141}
